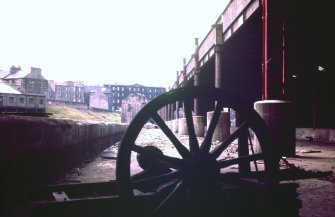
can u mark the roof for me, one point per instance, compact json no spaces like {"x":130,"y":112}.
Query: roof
{"x":25,"y":74}
{"x":6,"y":88}
{"x":18,"y":74}
{"x":3,"y":73}
{"x":70,"y":83}
{"x":92,"y":88}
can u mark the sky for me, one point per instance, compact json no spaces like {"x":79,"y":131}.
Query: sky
{"x":104,"y":41}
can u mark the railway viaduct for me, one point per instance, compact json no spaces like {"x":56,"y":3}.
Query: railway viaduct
{"x":275,"y":55}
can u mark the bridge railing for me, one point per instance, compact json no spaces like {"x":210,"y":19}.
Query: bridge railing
{"x":190,"y":66}
{"x":233,"y":16}
{"x":207,"y":43}
{"x":181,"y":78}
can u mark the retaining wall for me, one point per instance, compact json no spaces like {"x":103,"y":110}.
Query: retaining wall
{"x":318,"y":134}
{"x":37,"y":150}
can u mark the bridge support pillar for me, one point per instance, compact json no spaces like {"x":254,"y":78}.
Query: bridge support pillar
{"x":222,"y":130}
{"x":174,"y":124}
{"x":199,"y":126}
{"x":182,"y":126}
{"x":278,"y":116}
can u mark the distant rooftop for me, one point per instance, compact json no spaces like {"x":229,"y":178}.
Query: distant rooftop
{"x":16,"y":72}
{"x":3,"y":73}
{"x":5,"y":88}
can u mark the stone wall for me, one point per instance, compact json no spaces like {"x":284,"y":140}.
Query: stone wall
{"x":37,"y":150}
{"x":131,"y":106}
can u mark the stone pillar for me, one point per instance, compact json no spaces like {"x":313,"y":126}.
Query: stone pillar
{"x":218,"y":66}
{"x":175,"y":121}
{"x":196,"y":75}
{"x":198,"y":120}
{"x":168,"y":112}
{"x":278,"y":116}
{"x":182,"y":126}
{"x":196,"y":101}
{"x":171,"y":111}
{"x":222,"y":130}
{"x":199,"y":126}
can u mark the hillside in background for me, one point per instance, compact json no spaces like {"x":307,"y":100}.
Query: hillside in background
{"x":76,"y":114}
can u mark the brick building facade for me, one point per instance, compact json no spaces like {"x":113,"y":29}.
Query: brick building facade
{"x":117,"y":92}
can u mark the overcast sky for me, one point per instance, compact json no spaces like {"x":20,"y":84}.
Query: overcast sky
{"x":104,"y":41}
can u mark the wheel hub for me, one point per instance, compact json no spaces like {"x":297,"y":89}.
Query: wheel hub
{"x":201,"y":170}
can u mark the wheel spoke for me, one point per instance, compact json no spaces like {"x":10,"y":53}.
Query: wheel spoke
{"x":205,"y":146}
{"x":182,"y":150}
{"x":157,"y":184}
{"x":252,"y":149}
{"x":169,"y":201}
{"x":167,"y":177}
{"x":219,"y":149}
{"x":193,"y":141}
{"x":248,"y":158}
{"x":172,"y":162}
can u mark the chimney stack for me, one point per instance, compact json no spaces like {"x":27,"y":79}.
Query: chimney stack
{"x":36,"y":72}
{"x":14,"y":69}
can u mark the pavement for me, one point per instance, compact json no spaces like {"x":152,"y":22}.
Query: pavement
{"x":317,"y":194}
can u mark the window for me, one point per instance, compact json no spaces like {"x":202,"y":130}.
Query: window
{"x":21,"y":100}
{"x":1,"y":100}
{"x":11,"y":100}
{"x":41,"y":101}
{"x":31,"y":101}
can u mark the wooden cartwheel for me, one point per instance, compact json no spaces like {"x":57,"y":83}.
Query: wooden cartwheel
{"x":197,"y":181}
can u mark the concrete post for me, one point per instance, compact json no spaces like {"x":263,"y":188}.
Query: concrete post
{"x":199,"y":126}
{"x":198,"y":120}
{"x":182,"y":126}
{"x":218,"y":66}
{"x":222,"y":130}
{"x":278,"y":116}
{"x":196,"y":76}
{"x":175,"y":121}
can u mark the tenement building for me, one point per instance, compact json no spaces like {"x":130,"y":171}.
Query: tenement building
{"x":29,"y":82}
{"x":69,"y":93}
{"x":118,"y":92}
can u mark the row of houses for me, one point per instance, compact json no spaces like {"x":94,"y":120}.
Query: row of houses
{"x":32,"y":84}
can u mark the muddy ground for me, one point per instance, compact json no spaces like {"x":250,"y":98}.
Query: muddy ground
{"x":317,"y":194}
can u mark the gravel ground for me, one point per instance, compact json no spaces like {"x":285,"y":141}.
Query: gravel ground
{"x":317,"y":195}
